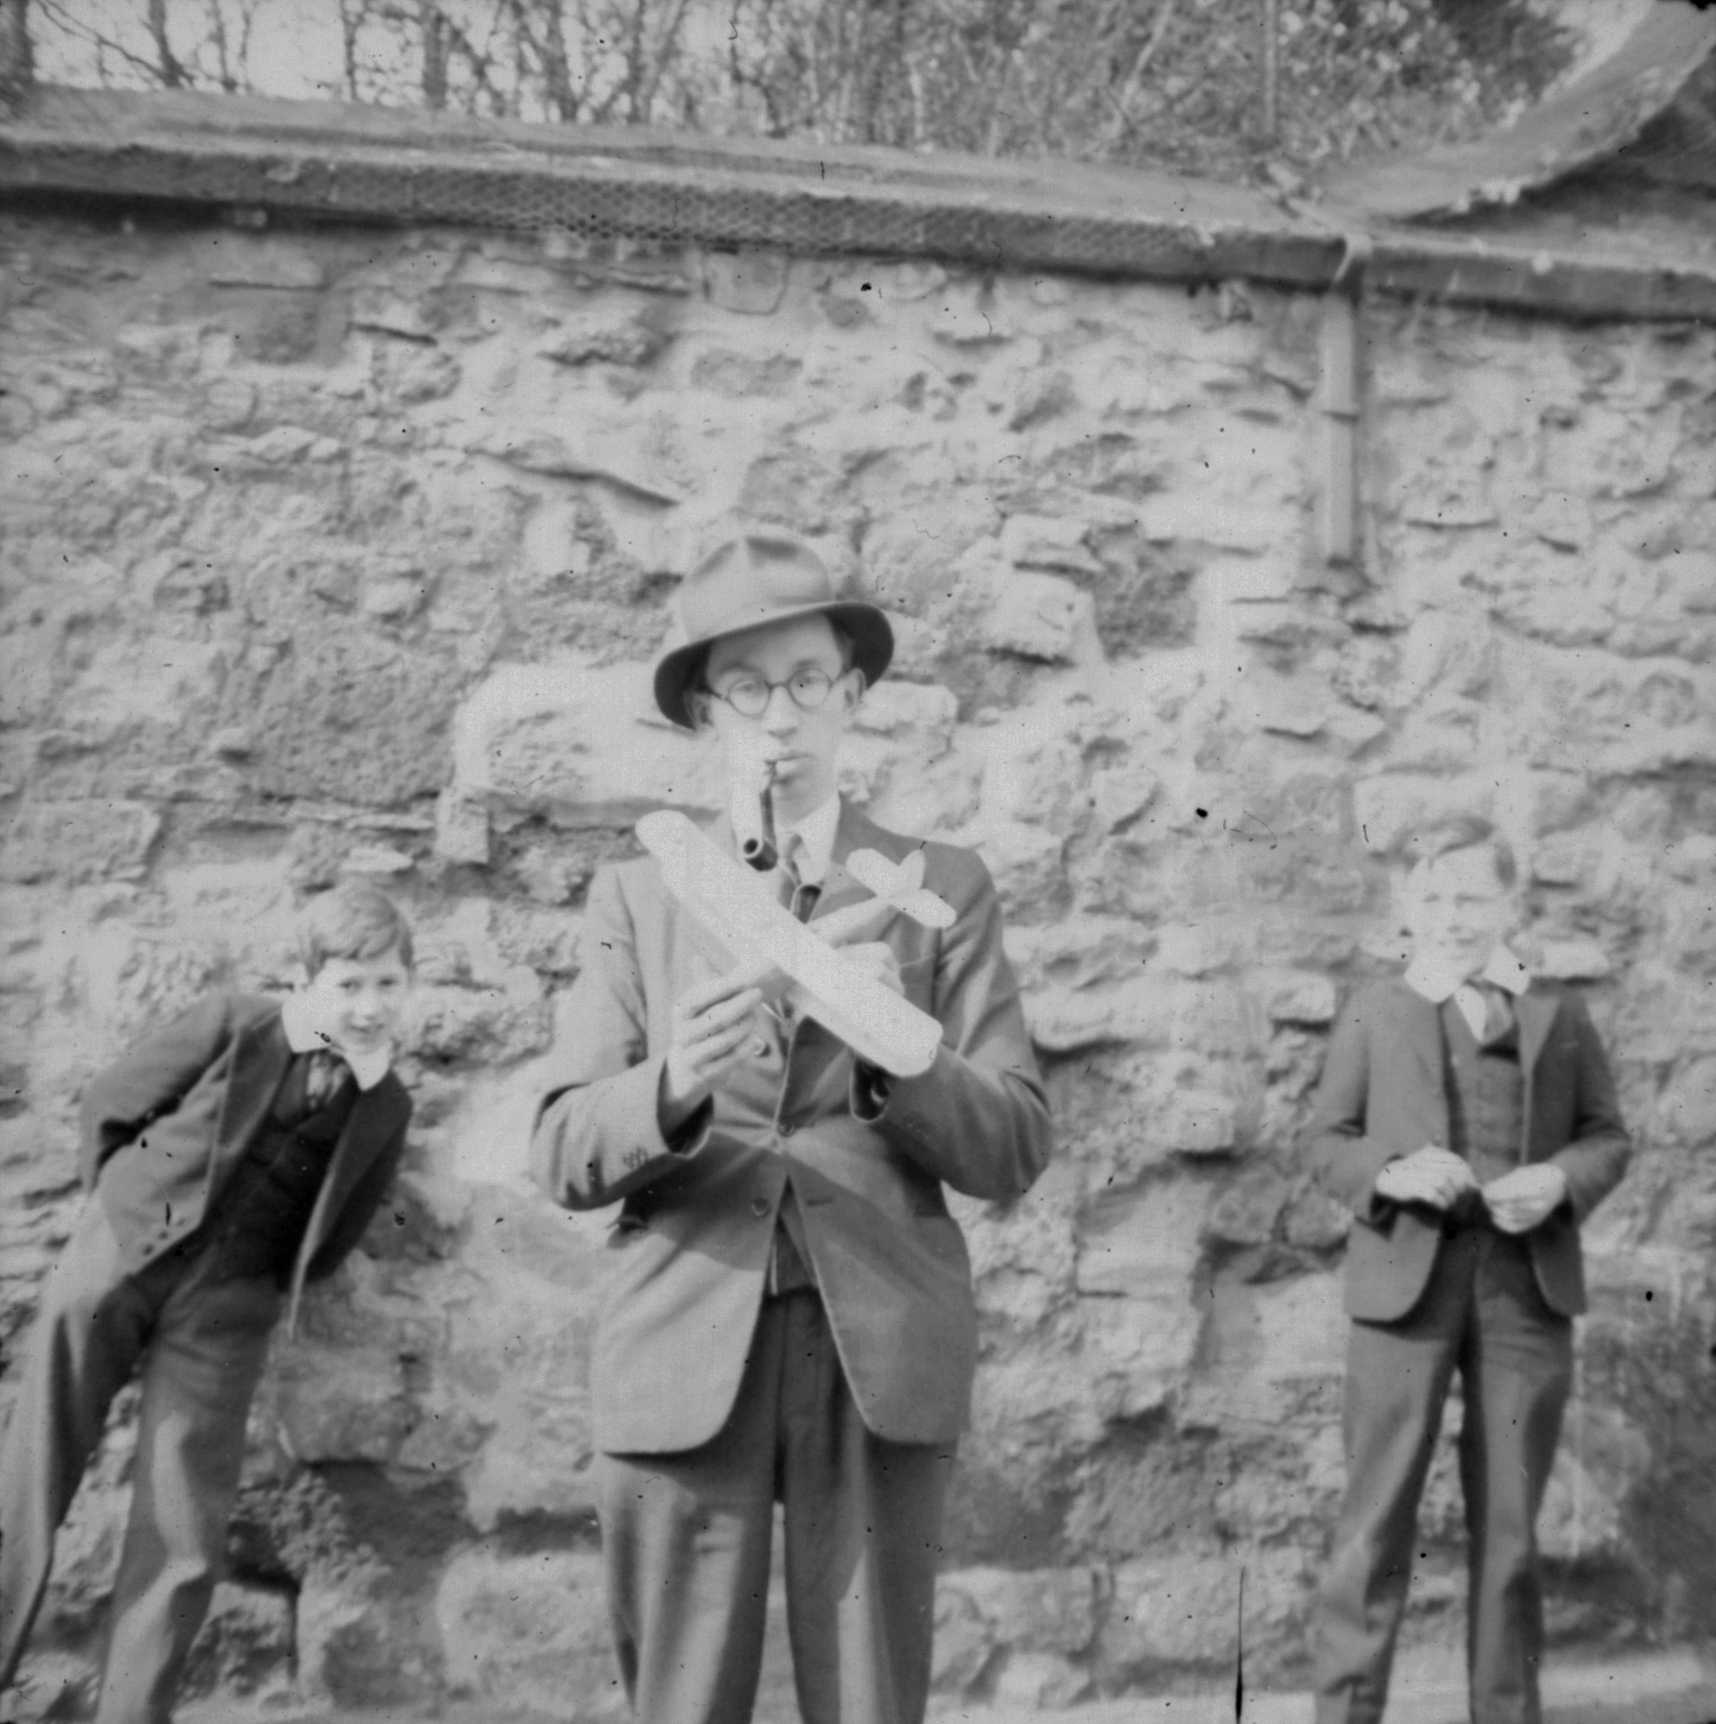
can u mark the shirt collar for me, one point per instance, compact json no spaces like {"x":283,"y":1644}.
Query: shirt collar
{"x":816,"y":834}
{"x":1437,"y":981}
{"x":303,"y":1038}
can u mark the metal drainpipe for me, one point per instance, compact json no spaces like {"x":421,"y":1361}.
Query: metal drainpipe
{"x":1338,"y":516}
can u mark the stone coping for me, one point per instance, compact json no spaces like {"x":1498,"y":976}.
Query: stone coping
{"x":331,"y":161}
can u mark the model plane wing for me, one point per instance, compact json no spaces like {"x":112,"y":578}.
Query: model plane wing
{"x":736,"y":911}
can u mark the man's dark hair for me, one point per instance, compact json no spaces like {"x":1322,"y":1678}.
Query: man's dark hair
{"x":1462,"y":832}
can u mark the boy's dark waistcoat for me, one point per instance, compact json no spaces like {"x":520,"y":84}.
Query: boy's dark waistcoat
{"x":184,"y":1104}
{"x":1384,"y":1095}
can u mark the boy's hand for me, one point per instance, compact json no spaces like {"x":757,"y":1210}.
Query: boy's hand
{"x":1525,"y":1198}
{"x":1430,"y":1175}
{"x":713,"y":1028}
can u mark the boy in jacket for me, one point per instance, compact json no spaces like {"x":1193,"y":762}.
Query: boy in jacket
{"x":231,"y":1155}
{"x":1468,"y":1120}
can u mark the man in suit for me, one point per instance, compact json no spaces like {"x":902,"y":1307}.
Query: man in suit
{"x":788,"y":1313}
{"x":1468,"y":1119}
{"x":231,"y":1155}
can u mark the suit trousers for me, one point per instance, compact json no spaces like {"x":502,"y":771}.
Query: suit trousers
{"x":201,"y":1347}
{"x":1481,"y":1314}
{"x":686,"y":1541}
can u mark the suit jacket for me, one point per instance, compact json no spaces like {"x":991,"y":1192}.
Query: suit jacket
{"x":868,"y":1163}
{"x":164,"y":1126}
{"x":1384,"y":1094}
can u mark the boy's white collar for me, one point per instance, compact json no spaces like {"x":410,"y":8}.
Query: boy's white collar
{"x":303,"y":1038}
{"x":1437,"y":981}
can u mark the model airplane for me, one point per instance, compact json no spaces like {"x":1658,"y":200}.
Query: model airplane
{"x":740,"y":919}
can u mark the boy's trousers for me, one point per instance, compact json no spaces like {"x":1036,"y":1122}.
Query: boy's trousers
{"x":202,"y":1348}
{"x":1483,"y":1315}
{"x":685,"y":1541}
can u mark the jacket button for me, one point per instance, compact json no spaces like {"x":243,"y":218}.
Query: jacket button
{"x":760,"y":1206}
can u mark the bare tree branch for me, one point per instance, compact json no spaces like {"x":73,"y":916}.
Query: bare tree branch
{"x":217,"y":35}
{"x":433,"y":42}
{"x":172,"y":73}
{"x":17,"y":57}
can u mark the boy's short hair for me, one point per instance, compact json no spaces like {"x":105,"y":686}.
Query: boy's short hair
{"x":1462,"y":832}
{"x":354,"y":919}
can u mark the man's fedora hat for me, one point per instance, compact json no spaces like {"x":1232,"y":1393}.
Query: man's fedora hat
{"x":756,"y":577}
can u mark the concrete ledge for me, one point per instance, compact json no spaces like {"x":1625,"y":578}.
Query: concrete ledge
{"x":330,"y":161}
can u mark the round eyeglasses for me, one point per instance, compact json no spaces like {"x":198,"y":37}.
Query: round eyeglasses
{"x":749,"y":696}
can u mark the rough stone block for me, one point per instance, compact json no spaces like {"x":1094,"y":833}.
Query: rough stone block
{"x":1038,"y":396}
{"x":1042,"y":1681}
{"x":610,"y":336}
{"x":1144,"y":1243}
{"x":461,"y":829}
{"x":1048,"y":542}
{"x":1584,"y":1507}
{"x":76,"y":841}
{"x":1253,"y":581}
{"x":1033,"y":774}
{"x":1042,"y":617}
{"x":1184,"y":1611}
{"x":529,"y":1630}
{"x":1032,"y":1610}
{"x":1138,"y":1352}
{"x":580,"y":741}
{"x":967,"y":316}
{"x":1246,"y":1213}
{"x":623,"y":455}
{"x":246,"y":1644}
{"x":1195,"y":949}
{"x":1387,"y":808}
{"x":353,"y":718}
{"x":1026,"y":863}
{"x":752,"y":283}
{"x":1572,"y":961}
{"x":1064,"y":1019}
{"x":381,"y":308}
{"x":1315,"y":1221}
{"x":917,"y":715}
{"x":1685,"y":1112}
{"x":1214,"y":521}
{"x":964,"y":1639}
{"x":340,"y":1404}
{"x":1297,"y":998}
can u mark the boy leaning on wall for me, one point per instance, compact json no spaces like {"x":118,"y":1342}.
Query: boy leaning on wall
{"x":1468,"y":1119}
{"x":230,"y":1155}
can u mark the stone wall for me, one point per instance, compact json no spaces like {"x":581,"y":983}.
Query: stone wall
{"x":335,"y":550}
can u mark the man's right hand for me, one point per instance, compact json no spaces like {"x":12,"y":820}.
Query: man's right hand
{"x":1431,"y":1175}
{"x":714,"y":1026}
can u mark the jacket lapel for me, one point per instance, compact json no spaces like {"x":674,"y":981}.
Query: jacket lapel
{"x":260,"y":1056}
{"x":1535,"y":1015}
{"x":1421,"y":1042}
{"x":376,"y":1115}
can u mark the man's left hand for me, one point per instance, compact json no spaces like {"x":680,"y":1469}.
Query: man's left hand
{"x":1525,"y":1198}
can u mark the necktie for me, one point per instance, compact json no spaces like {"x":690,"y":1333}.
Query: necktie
{"x":1486,"y":1010}
{"x":792,"y":891}
{"x":1498,"y":1014}
{"x":325,"y":1074}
